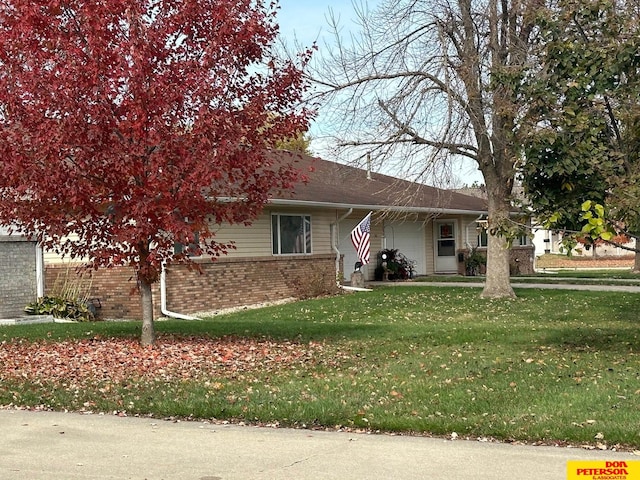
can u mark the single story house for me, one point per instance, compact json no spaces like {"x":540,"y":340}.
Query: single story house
{"x":301,"y":242}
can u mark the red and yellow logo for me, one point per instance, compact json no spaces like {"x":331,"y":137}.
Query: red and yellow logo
{"x":603,"y":470}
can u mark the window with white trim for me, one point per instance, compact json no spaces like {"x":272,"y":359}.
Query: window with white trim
{"x":523,"y":240}
{"x":483,"y":235}
{"x":291,"y":234}
{"x":483,"y":238}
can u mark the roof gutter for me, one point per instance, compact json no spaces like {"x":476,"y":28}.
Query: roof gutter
{"x":163,"y":299}
{"x":334,"y":241}
{"x":390,"y":208}
{"x":393,"y":208}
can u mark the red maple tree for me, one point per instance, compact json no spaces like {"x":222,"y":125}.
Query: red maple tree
{"x":138,"y":124}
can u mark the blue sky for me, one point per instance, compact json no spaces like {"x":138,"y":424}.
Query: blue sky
{"x":303,"y":22}
{"x":307,"y":20}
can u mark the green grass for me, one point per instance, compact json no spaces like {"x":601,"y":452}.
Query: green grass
{"x":550,"y":366}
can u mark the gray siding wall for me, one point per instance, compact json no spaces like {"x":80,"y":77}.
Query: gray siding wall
{"x":17,"y":275}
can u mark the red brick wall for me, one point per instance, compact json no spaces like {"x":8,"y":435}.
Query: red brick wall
{"x":227,"y":282}
{"x":232,"y":282}
{"x":114,"y":287}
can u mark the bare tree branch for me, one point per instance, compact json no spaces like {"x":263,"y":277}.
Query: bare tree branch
{"x":420,"y":88}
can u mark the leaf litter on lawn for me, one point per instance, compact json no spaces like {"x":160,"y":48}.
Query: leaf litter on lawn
{"x":172,"y":358}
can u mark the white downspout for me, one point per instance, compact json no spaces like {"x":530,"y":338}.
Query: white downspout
{"x":39,"y":271}
{"x":163,"y":299}
{"x":334,"y":241}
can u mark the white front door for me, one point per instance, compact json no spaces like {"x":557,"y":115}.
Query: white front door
{"x":445,"y":246}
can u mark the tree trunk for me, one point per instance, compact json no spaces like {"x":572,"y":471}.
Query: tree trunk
{"x":148,"y":330}
{"x":498,"y":282}
{"x":636,"y":262}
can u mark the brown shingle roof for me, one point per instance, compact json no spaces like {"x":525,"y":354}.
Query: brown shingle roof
{"x":332,"y":184}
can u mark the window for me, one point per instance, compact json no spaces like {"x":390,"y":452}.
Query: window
{"x":523,"y":240}
{"x":192,"y":249}
{"x":446,"y":240}
{"x":291,"y":234}
{"x":483,"y":238}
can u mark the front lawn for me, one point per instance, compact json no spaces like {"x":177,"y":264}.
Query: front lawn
{"x":550,"y":366}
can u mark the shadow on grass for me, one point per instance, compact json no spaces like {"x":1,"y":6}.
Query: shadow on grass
{"x":304,"y":331}
{"x":284,"y":330}
{"x":615,"y":340}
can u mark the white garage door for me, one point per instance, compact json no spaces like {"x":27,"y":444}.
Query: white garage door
{"x":408,"y":238}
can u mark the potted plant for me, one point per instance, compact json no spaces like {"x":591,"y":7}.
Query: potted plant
{"x":474,"y":262}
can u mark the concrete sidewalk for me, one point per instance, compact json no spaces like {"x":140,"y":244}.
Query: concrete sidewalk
{"x":57,"y":446}
{"x":515,"y":284}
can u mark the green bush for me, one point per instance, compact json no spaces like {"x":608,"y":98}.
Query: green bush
{"x":60,"y":308}
{"x":398,"y":266}
{"x":474,"y":262}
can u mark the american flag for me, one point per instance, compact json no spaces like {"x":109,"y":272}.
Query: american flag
{"x":361,"y":239}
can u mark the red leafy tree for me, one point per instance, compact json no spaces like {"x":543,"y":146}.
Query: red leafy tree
{"x":137,"y":124}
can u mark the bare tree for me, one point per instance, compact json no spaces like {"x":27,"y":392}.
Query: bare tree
{"x":430,"y":81}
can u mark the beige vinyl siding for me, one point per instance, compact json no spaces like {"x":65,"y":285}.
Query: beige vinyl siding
{"x":255,"y":240}
{"x":428,"y":245}
{"x":250,"y":241}
{"x":320,"y":229}
{"x":469,"y":232}
{"x":50,"y":256}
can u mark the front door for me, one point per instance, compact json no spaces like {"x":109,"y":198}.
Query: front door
{"x":445,"y":246}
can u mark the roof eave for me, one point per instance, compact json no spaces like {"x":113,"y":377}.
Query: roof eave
{"x":392,"y":208}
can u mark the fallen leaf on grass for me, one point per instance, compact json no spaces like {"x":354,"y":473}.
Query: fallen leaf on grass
{"x":119,"y":359}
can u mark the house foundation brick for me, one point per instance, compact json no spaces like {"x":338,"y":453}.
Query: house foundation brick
{"x":230,"y":282}
{"x":224,"y":283}
{"x":114,"y":289}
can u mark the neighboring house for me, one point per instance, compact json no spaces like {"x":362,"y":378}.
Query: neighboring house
{"x":302,"y":241}
{"x":20,"y":273}
{"x":548,"y":241}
